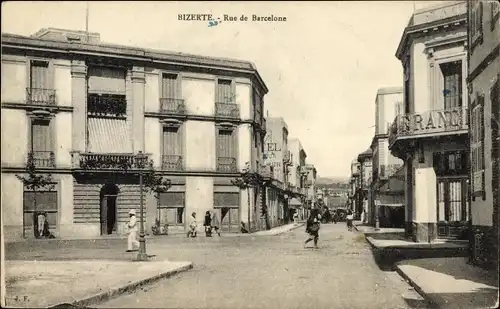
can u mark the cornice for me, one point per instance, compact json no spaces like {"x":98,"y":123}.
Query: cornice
{"x":29,"y":107}
{"x":17,"y":42}
{"x":423,"y":29}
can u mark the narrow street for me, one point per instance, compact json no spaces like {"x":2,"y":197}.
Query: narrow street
{"x":274,"y":272}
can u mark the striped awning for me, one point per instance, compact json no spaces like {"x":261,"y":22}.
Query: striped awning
{"x":108,"y":136}
{"x":295,"y":202}
{"x":391,"y":200}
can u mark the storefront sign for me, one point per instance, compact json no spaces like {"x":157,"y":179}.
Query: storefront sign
{"x":432,"y":120}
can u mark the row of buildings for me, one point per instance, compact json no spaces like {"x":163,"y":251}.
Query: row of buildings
{"x":433,"y":165}
{"x":83,"y":110}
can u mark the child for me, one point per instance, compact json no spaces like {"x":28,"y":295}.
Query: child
{"x":349,"y":218}
{"x":192,"y":226}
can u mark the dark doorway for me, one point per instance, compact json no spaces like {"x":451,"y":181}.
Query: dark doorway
{"x":109,"y":194}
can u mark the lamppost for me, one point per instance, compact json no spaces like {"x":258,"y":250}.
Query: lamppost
{"x":141,"y":162}
{"x":377,"y":221}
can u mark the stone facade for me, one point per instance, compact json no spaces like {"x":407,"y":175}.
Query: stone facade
{"x":205,"y":107}
{"x":484,"y":92}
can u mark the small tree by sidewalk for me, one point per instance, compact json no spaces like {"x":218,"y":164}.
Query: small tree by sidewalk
{"x":245,"y":182}
{"x":35,"y":182}
{"x":156,"y":184}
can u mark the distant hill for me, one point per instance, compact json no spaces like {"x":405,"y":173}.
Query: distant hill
{"x":331,"y":180}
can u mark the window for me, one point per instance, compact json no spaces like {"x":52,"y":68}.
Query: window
{"x":450,"y":163}
{"x":171,"y":208}
{"x":477,"y":147}
{"x":41,"y":143}
{"x":36,"y":203}
{"x":40,"y":91}
{"x":452,"y":87}
{"x":172,"y":148}
{"x":228,"y":199}
{"x":106,"y":92}
{"x":476,"y":23}
{"x":407,"y":72}
{"x":226,"y":150}
{"x":169,"y":86}
{"x":225,"y":93}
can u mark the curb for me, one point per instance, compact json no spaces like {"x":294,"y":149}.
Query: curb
{"x":112,"y":293}
{"x":417,"y":288}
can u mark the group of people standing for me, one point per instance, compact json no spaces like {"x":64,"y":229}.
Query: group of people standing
{"x":210,"y":222}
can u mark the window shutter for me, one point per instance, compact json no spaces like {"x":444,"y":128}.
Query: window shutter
{"x":480,"y":17}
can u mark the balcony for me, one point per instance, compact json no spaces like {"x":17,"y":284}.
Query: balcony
{"x":107,"y":161}
{"x":229,"y":110}
{"x":44,"y":158}
{"x":172,"y":106}
{"x":171,"y":163}
{"x":38,"y":96}
{"x":226,"y":165}
{"x":107,"y":105}
{"x":429,"y":124}
{"x":387,"y":171}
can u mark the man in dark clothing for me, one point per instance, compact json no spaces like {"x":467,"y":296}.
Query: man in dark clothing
{"x":207,"y":223}
{"x":312,"y":228}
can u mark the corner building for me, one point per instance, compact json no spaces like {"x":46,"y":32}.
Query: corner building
{"x":77,"y":103}
{"x":430,"y":134}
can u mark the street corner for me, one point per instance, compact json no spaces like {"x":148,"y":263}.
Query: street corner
{"x":97,"y":280}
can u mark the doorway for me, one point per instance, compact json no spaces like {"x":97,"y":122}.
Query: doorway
{"x":452,"y":208}
{"x":109,"y":213}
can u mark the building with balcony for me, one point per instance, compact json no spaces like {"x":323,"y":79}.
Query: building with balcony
{"x":277,"y":159}
{"x":385,"y":188}
{"x":310,"y":186}
{"x":354,"y":183}
{"x":431,"y":133}
{"x":362,"y":195}
{"x":85,"y":109}
{"x":484,"y":94}
{"x":297,"y":176}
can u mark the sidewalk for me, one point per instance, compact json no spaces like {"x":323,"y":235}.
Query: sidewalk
{"x":278,"y":230}
{"x":83,"y":283}
{"x":451,"y":282}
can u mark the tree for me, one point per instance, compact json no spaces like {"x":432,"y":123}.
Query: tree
{"x":249,"y":180}
{"x":155,"y":183}
{"x":35,"y":182}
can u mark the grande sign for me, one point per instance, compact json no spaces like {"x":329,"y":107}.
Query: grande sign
{"x":433,"y":120}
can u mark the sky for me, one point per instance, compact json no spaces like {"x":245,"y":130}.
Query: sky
{"x":323,"y":65}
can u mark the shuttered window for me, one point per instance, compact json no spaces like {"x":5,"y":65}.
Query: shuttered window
{"x":172,"y":141}
{"x":225,"y":91}
{"x":477,"y":147}
{"x":226,"y":143}
{"x":170,"y":86}
{"x":41,"y":140}
{"x":39,"y":78}
{"x":452,"y":88}
{"x":476,"y":22}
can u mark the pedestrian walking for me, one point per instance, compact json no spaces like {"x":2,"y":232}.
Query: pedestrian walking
{"x":295,"y":218}
{"x":215,"y":223}
{"x":312,"y":228}
{"x":207,"y":223}
{"x":349,"y":218}
{"x":335,"y":216}
{"x":132,"y":232}
{"x":192,"y":226}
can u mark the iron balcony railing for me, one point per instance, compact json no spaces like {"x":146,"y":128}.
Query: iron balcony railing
{"x":172,"y":106}
{"x":97,"y":161}
{"x":226,"y":164}
{"x":389,"y":170}
{"x":44,"y":158}
{"x":429,"y":122}
{"x":39,"y":96}
{"x":171,"y":163}
{"x":230,"y":110}
{"x":106,"y":105}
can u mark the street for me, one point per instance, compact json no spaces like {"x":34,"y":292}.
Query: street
{"x":274,"y":272}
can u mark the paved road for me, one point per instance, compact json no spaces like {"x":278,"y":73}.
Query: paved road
{"x":274,"y":272}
